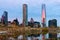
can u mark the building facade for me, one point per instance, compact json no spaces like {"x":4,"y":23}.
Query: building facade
{"x":4,"y":18}
{"x":25,"y":15}
{"x":43,"y":15}
{"x":52,"y":23}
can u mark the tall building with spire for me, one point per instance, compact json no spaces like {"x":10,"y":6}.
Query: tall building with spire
{"x":43,"y":15}
{"x":25,"y":15}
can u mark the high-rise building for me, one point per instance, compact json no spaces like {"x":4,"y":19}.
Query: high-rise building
{"x":43,"y":15}
{"x":52,"y":23}
{"x":4,"y":18}
{"x":25,"y":15}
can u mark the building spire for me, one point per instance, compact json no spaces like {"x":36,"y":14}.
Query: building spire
{"x":43,"y":15}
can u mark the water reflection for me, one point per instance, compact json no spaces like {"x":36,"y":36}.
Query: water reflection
{"x":20,"y":37}
{"x":34,"y":38}
{"x":31,"y":37}
{"x":40,"y":37}
{"x":11,"y":38}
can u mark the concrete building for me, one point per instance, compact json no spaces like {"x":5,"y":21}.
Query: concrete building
{"x":25,"y":15}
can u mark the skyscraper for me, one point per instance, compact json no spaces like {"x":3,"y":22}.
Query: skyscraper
{"x":4,"y":18}
{"x":52,"y":23}
{"x":43,"y":15}
{"x":25,"y":15}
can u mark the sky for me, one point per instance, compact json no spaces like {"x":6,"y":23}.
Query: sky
{"x":14,"y":9}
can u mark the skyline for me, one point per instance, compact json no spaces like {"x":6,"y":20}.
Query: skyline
{"x":15,"y":7}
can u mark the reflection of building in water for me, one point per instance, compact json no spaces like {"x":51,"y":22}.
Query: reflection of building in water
{"x":58,"y":35}
{"x":20,"y":37}
{"x":11,"y":38}
{"x":35,"y":38}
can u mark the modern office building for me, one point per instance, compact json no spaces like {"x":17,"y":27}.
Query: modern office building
{"x":52,"y":23}
{"x":25,"y":15}
{"x":43,"y":15}
{"x":4,"y":18}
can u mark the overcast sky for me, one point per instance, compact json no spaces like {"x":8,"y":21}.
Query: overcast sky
{"x":14,"y":9}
